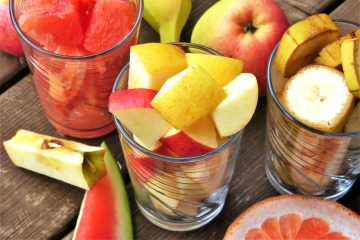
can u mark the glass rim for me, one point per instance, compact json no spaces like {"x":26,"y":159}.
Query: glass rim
{"x":146,"y":151}
{"x":286,"y":113}
{"x":94,"y":55}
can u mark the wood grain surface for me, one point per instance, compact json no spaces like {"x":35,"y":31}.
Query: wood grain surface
{"x":36,"y":207}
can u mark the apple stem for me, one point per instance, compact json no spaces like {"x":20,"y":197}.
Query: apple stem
{"x":249,"y":27}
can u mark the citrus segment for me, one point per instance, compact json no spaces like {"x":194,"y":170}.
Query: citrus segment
{"x":256,"y":234}
{"x":109,"y":22}
{"x":334,"y":236}
{"x":289,"y":225}
{"x":271,"y":227}
{"x":312,"y":228}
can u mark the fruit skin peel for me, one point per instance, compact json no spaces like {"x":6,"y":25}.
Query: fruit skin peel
{"x":68,"y":161}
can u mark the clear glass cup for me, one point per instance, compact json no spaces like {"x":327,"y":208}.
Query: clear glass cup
{"x":300,"y":159}
{"x":74,"y":90}
{"x":178,"y":194}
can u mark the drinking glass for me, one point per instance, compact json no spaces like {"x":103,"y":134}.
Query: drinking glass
{"x":74,"y":90}
{"x":300,"y":159}
{"x":178,"y":194}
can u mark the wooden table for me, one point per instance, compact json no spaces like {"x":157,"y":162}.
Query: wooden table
{"x":33,"y":206}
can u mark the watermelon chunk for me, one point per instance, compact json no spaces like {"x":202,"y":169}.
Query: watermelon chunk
{"x":51,"y":23}
{"x":109,"y":22}
{"x":105,"y":211}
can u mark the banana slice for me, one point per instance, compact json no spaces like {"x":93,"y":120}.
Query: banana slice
{"x":330,"y":55}
{"x":302,"y":42}
{"x":353,"y":124}
{"x":318,"y":97}
{"x":350,"y":56}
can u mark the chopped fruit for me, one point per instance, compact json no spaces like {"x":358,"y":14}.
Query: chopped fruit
{"x":222,"y":69}
{"x":144,"y":166}
{"x":105,"y":211}
{"x":302,"y":42}
{"x":298,"y":218}
{"x":350,"y":55}
{"x":323,"y":103}
{"x":154,"y":148}
{"x":353,"y":123}
{"x":236,"y":110}
{"x":109,"y":22}
{"x":133,"y":109}
{"x":151,"y":64}
{"x":197,"y":139}
{"x":330,"y":55}
{"x":187,"y":97}
{"x":65,"y":160}
{"x":52,"y":23}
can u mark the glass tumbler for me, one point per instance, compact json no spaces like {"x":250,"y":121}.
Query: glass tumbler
{"x":74,"y":90}
{"x":300,"y":159}
{"x":178,"y":194}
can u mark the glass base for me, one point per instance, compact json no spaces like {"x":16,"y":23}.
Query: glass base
{"x":180,"y":226}
{"x":282,"y":189}
{"x":84,"y":134}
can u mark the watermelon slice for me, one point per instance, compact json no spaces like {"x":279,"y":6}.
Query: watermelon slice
{"x":51,"y":23}
{"x":105,"y":211}
{"x":295,"y":217}
{"x":109,"y":22}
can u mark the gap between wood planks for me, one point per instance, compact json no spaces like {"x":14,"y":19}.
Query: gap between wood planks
{"x":15,"y":79}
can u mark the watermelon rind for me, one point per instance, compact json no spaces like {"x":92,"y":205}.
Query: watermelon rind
{"x":125,"y":227}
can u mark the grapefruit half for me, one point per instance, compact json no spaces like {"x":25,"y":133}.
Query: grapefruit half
{"x":295,"y":217}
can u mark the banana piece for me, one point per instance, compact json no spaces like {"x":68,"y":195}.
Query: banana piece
{"x":318,"y":97}
{"x":167,"y":17}
{"x":330,"y":55}
{"x":302,"y":42}
{"x":353,"y":124}
{"x":350,"y":56}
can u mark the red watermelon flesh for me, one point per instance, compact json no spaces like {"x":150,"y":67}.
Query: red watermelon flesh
{"x":51,"y":23}
{"x":105,"y":211}
{"x":110,"y":21}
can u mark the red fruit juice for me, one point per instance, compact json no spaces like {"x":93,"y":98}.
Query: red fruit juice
{"x":75,"y":49}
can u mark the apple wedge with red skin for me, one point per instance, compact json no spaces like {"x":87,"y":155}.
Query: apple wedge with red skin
{"x":132,"y":108}
{"x":198,"y":139}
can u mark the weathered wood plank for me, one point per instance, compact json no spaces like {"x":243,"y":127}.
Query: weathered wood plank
{"x":312,"y":6}
{"x":349,"y":10}
{"x":10,"y":65}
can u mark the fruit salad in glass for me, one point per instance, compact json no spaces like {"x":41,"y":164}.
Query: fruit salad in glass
{"x":75,"y":49}
{"x":180,"y":109}
{"x":313,"y":127}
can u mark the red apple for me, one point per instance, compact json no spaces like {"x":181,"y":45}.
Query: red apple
{"x":199,"y":138}
{"x":247,"y":30}
{"x":9,"y":40}
{"x":132,"y":108}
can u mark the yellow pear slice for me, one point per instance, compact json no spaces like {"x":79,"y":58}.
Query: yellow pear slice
{"x":330,"y":55}
{"x":302,"y":42}
{"x":222,"y":69}
{"x":187,"y":97}
{"x":350,"y":55}
{"x":318,"y":97}
{"x":151,"y":64}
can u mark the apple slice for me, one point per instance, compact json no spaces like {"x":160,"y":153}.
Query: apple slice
{"x":222,"y":69}
{"x":198,"y":139}
{"x":350,"y":56}
{"x":353,"y":123}
{"x":187,"y":97}
{"x":132,"y":108}
{"x":151,"y":64}
{"x":236,"y":110}
{"x":302,"y":42}
{"x":154,"y":148}
{"x":65,"y":160}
